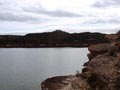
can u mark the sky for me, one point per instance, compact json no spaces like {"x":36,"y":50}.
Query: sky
{"x":29,"y":16}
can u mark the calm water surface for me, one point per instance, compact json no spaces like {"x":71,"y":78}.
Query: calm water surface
{"x":24,"y":69}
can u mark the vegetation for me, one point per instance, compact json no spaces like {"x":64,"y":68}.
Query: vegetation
{"x":96,"y":82}
{"x":117,"y":83}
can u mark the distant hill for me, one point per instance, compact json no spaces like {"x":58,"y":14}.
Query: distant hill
{"x":56,"y":38}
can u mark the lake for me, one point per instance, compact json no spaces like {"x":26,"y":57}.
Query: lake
{"x":26,"y":68}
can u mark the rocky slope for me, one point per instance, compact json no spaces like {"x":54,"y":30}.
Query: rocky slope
{"x":101,"y":72}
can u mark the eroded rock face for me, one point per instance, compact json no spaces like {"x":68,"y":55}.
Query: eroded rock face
{"x":56,"y":83}
{"x":103,"y":69}
{"x":102,"y":72}
{"x":65,"y":83}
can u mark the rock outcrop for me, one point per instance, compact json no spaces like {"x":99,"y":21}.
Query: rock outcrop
{"x":101,"y":72}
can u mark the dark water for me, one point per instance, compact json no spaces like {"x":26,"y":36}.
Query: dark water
{"x":24,"y":69}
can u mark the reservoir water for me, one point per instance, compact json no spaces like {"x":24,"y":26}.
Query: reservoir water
{"x":25,"y":69}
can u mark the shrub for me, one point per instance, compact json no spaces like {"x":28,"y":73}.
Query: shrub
{"x":96,"y":82}
{"x":84,"y":70}
{"x":118,"y":32}
{"x":117,"y":83}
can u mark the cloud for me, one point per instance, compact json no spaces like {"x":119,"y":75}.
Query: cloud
{"x":106,"y":3}
{"x":10,"y":16}
{"x":41,"y":15}
{"x":56,"y":13}
{"x":1,"y":3}
{"x":103,"y":21}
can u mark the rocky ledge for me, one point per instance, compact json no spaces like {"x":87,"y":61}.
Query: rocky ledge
{"x":101,"y":72}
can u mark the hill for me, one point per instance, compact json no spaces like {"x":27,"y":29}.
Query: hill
{"x":56,"y":38}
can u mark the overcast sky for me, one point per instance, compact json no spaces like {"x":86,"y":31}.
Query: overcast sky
{"x":26,"y":16}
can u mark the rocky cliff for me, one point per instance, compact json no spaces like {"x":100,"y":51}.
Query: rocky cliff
{"x":101,"y":72}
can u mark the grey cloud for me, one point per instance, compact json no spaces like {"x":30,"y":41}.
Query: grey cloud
{"x":56,"y":13}
{"x":116,"y":21}
{"x":106,"y":3}
{"x":103,"y":21}
{"x":10,"y":12}
{"x":9,"y":16}
{"x":1,"y":3}
{"x":5,"y":3}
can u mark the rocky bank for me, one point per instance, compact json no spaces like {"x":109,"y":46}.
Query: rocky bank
{"x":101,"y":72}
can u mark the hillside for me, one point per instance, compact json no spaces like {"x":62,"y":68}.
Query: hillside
{"x":56,"y":38}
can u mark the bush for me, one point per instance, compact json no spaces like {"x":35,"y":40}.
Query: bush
{"x":84,"y":70}
{"x":118,"y":32}
{"x":95,"y":82}
{"x":117,"y":83}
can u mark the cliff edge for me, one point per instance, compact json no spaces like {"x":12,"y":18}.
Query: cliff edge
{"x":101,"y":72}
